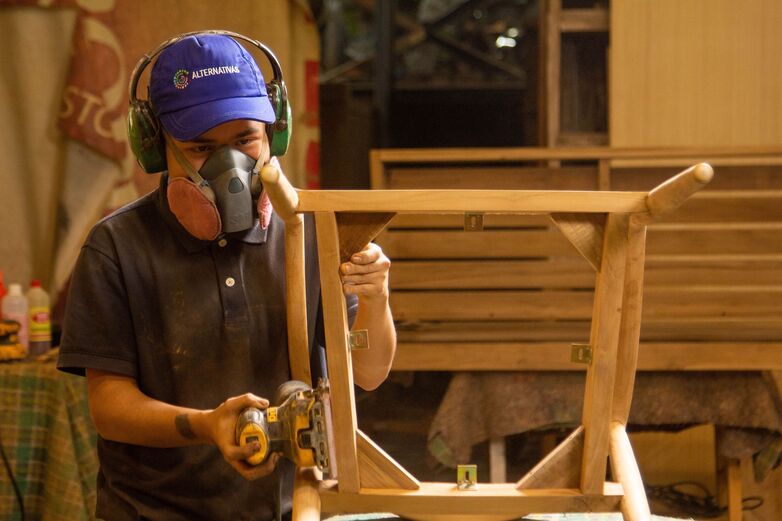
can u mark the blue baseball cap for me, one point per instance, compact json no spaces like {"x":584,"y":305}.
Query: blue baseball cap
{"x":203,"y":81}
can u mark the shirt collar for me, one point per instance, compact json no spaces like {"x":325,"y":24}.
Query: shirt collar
{"x":253,"y":235}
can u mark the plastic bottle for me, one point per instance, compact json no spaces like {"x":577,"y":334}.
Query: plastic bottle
{"x":3,"y":291}
{"x":40,"y":327}
{"x":15,"y":308}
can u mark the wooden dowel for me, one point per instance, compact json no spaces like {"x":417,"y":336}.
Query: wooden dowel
{"x":283,"y":196}
{"x":306,"y":500}
{"x":634,"y":505}
{"x":672,"y":193}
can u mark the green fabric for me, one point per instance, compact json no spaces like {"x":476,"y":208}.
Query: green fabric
{"x":47,"y":434}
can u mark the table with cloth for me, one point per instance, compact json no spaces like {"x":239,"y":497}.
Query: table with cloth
{"x":49,"y":439}
{"x":745,"y":407}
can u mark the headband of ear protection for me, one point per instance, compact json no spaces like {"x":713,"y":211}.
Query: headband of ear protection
{"x":145,"y":131}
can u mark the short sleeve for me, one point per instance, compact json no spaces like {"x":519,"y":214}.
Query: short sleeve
{"x":97,"y":328}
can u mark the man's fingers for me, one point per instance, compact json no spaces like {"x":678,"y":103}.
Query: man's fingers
{"x":251,"y":472}
{"x":362,"y":289}
{"x":241,"y":453}
{"x":244,"y":401}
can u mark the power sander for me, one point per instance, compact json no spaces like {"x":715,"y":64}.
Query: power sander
{"x":299,"y":427}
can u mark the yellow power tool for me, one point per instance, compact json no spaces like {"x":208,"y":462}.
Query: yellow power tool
{"x":299,"y":427}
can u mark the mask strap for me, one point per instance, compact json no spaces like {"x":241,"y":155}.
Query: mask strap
{"x":185,"y":164}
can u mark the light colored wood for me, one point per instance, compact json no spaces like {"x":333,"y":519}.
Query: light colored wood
{"x":356,"y":230}
{"x":376,"y":171}
{"x":555,"y":356}
{"x":497,"y":467}
{"x":486,"y":244}
{"x":281,"y":193}
{"x":296,"y":300}
{"x":604,"y":337}
{"x":734,"y":490}
{"x":476,"y":155}
{"x":751,"y":241}
{"x":662,"y":302}
{"x":490,"y":177}
{"x":552,"y":43}
{"x":634,"y":505}
{"x":561,"y":468}
{"x":737,"y":331}
{"x":378,"y":470}
{"x":668,"y":196}
{"x":444,"y":499}
{"x":574,"y":273}
{"x":284,"y":200}
{"x":604,"y":174}
{"x":460,"y":201}
{"x":672,"y":457}
{"x":585,"y":233}
{"x":593,"y":19}
{"x":630,"y":328}
{"x":679,"y":81}
{"x":306,"y":501}
{"x":338,"y":356}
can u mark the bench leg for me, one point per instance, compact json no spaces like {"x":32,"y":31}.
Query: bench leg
{"x":306,"y":500}
{"x":497,"y":469}
{"x":734,"y":490}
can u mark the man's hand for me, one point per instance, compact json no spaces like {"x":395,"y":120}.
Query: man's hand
{"x":220,"y":426}
{"x":366,"y":274}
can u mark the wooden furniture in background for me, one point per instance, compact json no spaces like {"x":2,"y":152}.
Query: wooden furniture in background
{"x":607,"y":228}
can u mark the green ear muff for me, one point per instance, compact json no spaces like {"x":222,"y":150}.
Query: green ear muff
{"x":144,"y":129}
{"x":279,"y":131}
{"x":146,"y":141}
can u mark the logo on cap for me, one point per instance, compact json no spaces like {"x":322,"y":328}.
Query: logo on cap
{"x":181,"y":79}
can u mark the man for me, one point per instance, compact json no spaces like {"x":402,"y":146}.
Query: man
{"x":177,"y":334}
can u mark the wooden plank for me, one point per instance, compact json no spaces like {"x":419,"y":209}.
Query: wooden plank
{"x":296,"y":300}
{"x":378,"y":470}
{"x":663,"y":239}
{"x":465,"y":245}
{"x":497,"y":462}
{"x":630,"y":329}
{"x":551,"y":43}
{"x":604,"y":337}
{"x":491,"y":177}
{"x":730,"y":206}
{"x":661,"y":303}
{"x":459,"y":201}
{"x":343,"y":405}
{"x":593,"y":19}
{"x":503,"y":154}
{"x":498,"y":274}
{"x":489,"y":499}
{"x":585,"y":233}
{"x":571,"y":272}
{"x":555,"y":356}
{"x":634,"y":505}
{"x":356,"y":230}
{"x":753,"y":176}
{"x":456,"y":221}
{"x":671,"y":329}
{"x":490,"y":305}
{"x":561,"y":468}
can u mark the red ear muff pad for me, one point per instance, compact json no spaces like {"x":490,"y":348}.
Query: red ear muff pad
{"x":194,"y":211}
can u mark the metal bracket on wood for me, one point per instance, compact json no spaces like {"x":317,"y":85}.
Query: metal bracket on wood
{"x":581,"y":353}
{"x":473,"y":222}
{"x":467,"y":477}
{"x":358,"y":339}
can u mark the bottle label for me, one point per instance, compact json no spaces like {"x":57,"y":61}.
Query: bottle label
{"x":40,"y":325}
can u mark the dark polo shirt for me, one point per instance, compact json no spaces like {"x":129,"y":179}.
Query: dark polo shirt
{"x":194,"y":323}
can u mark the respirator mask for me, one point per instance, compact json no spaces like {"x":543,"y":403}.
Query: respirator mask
{"x":218,"y":198}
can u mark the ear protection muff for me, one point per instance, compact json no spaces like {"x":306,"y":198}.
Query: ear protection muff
{"x":145,"y":132}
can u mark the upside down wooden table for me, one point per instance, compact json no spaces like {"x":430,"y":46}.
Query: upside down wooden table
{"x":607,"y":228}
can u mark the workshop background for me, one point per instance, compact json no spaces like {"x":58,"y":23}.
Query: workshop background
{"x":431,"y":74}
